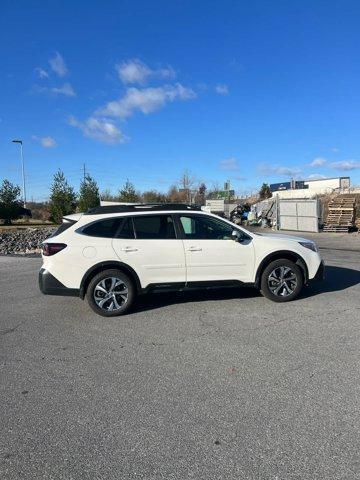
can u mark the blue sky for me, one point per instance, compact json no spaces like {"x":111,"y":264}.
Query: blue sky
{"x":250,"y":91}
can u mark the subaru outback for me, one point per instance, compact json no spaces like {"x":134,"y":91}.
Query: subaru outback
{"x":111,"y":254}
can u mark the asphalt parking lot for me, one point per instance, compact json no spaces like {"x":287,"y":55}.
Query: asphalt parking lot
{"x":207,"y":385}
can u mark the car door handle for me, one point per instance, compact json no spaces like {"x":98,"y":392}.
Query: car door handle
{"x":129,"y":249}
{"x":193,"y":248}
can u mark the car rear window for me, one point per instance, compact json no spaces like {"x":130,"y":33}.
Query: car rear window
{"x":154,"y":227}
{"x":103,"y":228}
{"x":64,"y":226}
{"x":127,"y":229}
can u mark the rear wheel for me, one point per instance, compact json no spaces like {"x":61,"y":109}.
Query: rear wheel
{"x":110,"y":293}
{"x":281,"y":281}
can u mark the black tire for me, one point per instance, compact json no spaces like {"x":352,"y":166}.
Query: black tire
{"x":287,"y":280}
{"x":96,"y":293}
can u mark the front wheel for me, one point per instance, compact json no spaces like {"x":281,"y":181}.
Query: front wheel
{"x":281,"y":281}
{"x":110,"y":293}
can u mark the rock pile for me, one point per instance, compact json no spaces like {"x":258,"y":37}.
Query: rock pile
{"x":24,"y":241}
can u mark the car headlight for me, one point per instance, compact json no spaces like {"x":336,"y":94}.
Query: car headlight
{"x":310,"y":245}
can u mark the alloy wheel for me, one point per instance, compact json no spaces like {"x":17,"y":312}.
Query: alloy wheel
{"x":282,"y":281}
{"x":111,"y":294}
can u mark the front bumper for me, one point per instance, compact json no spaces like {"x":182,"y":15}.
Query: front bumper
{"x":49,"y":285}
{"x":320,"y":274}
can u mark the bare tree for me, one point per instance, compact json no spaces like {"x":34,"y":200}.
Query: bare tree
{"x":153,"y":196}
{"x":187,"y":180}
{"x":187,"y":183}
{"x":176,"y":196}
{"x":107,"y":195}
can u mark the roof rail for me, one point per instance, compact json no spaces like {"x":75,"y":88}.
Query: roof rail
{"x":140,"y":207}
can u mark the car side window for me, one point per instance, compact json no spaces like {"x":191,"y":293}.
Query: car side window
{"x":103,"y":228}
{"x":201,"y":227}
{"x":154,"y":227}
{"x":127,"y":229}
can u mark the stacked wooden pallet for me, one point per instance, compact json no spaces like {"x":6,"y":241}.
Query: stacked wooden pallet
{"x":341,"y":214}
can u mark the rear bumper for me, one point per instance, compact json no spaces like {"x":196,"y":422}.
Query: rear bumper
{"x":49,"y":285}
{"x":320,"y":274}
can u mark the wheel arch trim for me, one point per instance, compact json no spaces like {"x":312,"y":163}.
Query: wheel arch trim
{"x":288,"y":254}
{"x":98,"y":267}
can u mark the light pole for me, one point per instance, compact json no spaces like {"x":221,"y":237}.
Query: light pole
{"x":22,"y":168}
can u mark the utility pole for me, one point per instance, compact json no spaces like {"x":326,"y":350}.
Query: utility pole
{"x":22,"y":168}
{"x":84,"y":172}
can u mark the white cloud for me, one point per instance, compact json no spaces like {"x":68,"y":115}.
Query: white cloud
{"x":317,"y":176}
{"x":66,"y":90}
{"x":102,"y":130}
{"x":135,"y":71}
{"x":222,"y":89}
{"x":346,"y":165}
{"x":266,"y":169}
{"x":318,"y":162}
{"x":146,"y":100}
{"x":57,"y":64}
{"x":229,"y":164}
{"x":48,"y":142}
{"x":335,"y":150}
{"x":101,"y":126}
{"x":288,"y":171}
{"x":166,"y":72}
{"x":41,"y":73}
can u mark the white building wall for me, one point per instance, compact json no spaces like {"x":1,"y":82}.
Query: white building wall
{"x":321,"y":185}
{"x":316,"y":187}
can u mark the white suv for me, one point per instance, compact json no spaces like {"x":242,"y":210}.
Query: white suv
{"x":112,"y":254}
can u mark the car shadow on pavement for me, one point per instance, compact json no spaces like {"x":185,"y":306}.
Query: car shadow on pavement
{"x":336,"y":279}
{"x":152,"y":301}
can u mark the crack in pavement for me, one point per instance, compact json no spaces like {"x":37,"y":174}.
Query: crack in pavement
{"x":10,"y":330}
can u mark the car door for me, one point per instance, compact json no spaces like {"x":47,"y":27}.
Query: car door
{"x":210,"y":251}
{"x":149,"y":244}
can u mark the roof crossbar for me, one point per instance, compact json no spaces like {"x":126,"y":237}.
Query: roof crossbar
{"x":140,"y":207}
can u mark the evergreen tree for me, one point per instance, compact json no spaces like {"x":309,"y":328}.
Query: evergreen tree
{"x":200,"y":195}
{"x":89,"y":194}
{"x":62,"y":198}
{"x":265,"y":192}
{"x":128,"y":193}
{"x":10,"y":206}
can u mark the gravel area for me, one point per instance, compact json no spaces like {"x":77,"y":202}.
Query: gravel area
{"x":24,"y":241}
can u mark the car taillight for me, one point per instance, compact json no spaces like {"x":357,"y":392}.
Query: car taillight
{"x":52,"y":248}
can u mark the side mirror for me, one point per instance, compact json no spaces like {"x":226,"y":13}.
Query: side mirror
{"x":236,"y":236}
